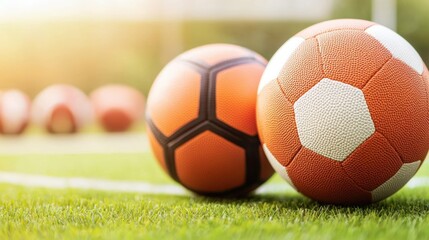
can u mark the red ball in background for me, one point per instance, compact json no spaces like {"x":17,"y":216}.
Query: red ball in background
{"x":117,"y":107}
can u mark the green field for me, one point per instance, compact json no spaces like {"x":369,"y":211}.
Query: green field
{"x":42,"y":213}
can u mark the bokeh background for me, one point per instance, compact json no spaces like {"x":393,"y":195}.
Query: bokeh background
{"x":89,"y":43}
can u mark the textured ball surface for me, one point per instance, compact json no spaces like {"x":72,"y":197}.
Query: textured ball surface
{"x":342,"y":111}
{"x":61,"y":108}
{"x":201,"y":120}
{"x":14,"y":111}
{"x":117,"y":107}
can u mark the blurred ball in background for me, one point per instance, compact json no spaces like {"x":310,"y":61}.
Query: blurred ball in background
{"x":61,"y":109}
{"x":14,"y":111}
{"x":117,"y":107}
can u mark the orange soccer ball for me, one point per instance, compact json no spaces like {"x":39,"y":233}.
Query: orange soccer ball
{"x":201,"y":120}
{"x":343,"y":112}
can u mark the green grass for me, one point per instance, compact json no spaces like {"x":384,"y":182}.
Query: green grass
{"x":46,"y":214}
{"x":38,"y":213}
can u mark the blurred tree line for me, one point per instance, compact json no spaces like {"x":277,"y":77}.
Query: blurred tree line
{"x":89,"y":54}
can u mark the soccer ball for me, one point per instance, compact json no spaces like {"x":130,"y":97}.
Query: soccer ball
{"x":14,"y":111}
{"x":201,"y":120}
{"x":117,"y":107}
{"x":342,"y":112}
{"x":61,"y":108}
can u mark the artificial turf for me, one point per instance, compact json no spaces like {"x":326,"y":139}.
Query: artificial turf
{"x":38,"y":213}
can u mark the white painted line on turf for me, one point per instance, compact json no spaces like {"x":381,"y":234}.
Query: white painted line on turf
{"x":30,"y":180}
{"x":418,"y":182}
{"x":74,"y":144}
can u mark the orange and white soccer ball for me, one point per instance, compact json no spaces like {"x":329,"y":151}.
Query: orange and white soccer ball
{"x":342,"y":111}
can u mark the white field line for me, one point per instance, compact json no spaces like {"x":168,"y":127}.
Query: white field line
{"x":30,"y":180}
{"x":74,"y":144}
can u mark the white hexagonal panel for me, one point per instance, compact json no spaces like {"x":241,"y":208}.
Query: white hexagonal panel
{"x":402,"y":176}
{"x":333,"y":119}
